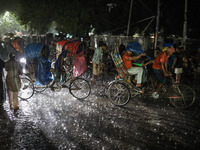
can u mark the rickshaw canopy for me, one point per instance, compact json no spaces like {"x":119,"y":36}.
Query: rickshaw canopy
{"x":137,"y":48}
{"x":32,"y":51}
{"x":75,"y":45}
{"x":78,"y":50}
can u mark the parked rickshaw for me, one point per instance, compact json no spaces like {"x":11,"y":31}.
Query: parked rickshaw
{"x":78,"y":87}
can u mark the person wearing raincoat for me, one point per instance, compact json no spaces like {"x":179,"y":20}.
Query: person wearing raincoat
{"x":44,"y":66}
{"x":13,"y":82}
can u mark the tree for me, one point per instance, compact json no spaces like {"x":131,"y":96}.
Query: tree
{"x":74,"y":17}
{"x":35,"y":14}
{"x":9,"y":23}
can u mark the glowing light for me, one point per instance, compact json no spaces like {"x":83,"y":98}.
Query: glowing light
{"x":6,"y":13}
{"x":23,"y":60}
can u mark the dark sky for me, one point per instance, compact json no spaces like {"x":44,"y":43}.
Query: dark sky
{"x":9,"y":5}
{"x":173,"y":12}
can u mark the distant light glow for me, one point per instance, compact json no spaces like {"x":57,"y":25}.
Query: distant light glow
{"x":7,"y":13}
{"x":23,"y":60}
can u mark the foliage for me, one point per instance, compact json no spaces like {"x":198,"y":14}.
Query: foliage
{"x":9,"y":24}
{"x":35,"y":14}
{"x":74,"y":17}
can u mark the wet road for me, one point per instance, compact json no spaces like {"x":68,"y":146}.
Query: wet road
{"x":56,"y":120}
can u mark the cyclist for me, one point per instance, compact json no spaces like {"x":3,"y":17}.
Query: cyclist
{"x":59,"y":67}
{"x":127,"y":59}
{"x":160,"y":65}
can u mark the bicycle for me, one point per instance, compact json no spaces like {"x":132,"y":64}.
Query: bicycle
{"x":121,"y":90}
{"x":181,"y":95}
{"x":78,"y":87}
{"x":27,"y":88}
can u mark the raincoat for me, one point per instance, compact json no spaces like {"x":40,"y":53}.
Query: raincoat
{"x":43,"y":71}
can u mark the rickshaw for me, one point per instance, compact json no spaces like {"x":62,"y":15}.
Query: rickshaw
{"x":78,"y":87}
{"x":36,"y":75}
{"x":121,"y":90}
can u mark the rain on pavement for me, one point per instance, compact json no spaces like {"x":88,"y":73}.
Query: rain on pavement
{"x":55,"y":120}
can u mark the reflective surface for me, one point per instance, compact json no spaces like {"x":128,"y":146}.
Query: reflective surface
{"x":56,"y":120}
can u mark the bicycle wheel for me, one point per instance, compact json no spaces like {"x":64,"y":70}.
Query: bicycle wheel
{"x":40,"y":88}
{"x":79,"y":88}
{"x":27,"y":89}
{"x":119,"y":94}
{"x":181,"y":96}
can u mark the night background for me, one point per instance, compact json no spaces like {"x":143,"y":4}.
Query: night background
{"x":76,"y":17}
{"x":52,"y":118}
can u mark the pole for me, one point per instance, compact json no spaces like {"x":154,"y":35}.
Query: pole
{"x":129,"y":19}
{"x":185,"y":25}
{"x":157,"y":24}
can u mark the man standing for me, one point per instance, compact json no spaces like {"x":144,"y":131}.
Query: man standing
{"x":97,"y":60}
{"x":178,"y":64}
{"x":160,"y":66}
{"x":13,"y":82}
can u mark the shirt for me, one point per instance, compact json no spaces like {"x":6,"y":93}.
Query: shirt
{"x":162,"y":57}
{"x":127,"y":62}
{"x":98,"y":55}
{"x":179,"y":62}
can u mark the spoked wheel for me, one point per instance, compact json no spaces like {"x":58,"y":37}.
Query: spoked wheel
{"x":119,"y":94}
{"x":181,"y":96}
{"x":79,"y":88}
{"x":40,"y":88}
{"x":27,"y":89}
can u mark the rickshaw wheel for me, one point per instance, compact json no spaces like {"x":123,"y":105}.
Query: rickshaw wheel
{"x":79,"y":88}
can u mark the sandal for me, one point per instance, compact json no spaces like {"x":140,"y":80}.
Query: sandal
{"x":16,"y":108}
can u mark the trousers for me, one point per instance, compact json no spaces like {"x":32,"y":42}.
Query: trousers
{"x":136,"y":71}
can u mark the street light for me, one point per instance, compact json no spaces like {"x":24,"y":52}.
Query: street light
{"x":110,"y":6}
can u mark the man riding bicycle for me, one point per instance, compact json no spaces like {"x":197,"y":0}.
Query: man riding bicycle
{"x":59,"y":67}
{"x":160,"y":65}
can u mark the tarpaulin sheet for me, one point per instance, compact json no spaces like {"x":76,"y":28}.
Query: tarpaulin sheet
{"x":59,"y":47}
{"x":32,"y":51}
{"x":137,"y":48}
{"x":43,"y":73}
{"x":62,"y":42}
{"x":73,"y":46}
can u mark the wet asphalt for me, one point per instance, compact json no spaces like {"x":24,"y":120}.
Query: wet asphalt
{"x":55,"y":120}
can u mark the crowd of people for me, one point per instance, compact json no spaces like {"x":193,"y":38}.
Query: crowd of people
{"x":170,"y":59}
